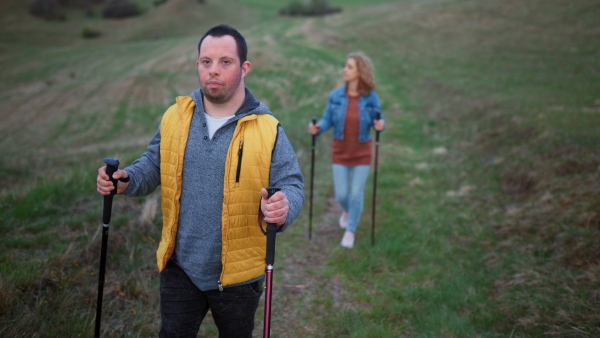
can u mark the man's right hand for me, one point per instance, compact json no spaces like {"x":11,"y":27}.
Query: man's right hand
{"x":104,"y":185}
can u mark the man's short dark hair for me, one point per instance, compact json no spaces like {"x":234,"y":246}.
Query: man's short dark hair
{"x":223,"y":30}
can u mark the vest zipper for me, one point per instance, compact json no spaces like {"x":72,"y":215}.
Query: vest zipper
{"x":239,"y":165}
{"x":237,"y":180}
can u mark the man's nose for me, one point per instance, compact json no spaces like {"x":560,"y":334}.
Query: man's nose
{"x":214,"y":69}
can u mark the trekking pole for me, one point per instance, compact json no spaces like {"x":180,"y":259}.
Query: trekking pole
{"x":111,"y":166}
{"x":312,"y":180}
{"x":270,"y":259}
{"x":378,"y":117}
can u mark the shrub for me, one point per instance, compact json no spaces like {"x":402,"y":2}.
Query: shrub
{"x":47,"y":9}
{"x":118,"y":9}
{"x":294,"y":8}
{"x":89,"y":32}
{"x":308,"y":8}
{"x":77,"y":3}
{"x":321,"y":7}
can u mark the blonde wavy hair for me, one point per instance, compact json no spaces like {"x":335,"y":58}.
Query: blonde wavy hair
{"x":366,"y":80}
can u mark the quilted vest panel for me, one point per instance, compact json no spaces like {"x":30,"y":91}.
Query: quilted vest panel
{"x":174,"y":133}
{"x":246,"y":172}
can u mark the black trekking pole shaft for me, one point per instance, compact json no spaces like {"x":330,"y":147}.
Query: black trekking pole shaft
{"x":270,"y":259}
{"x":375,"y":183}
{"x":312,"y":180}
{"x":111,"y":166}
{"x":101,"y":280}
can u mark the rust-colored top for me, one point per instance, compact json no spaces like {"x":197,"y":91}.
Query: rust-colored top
{"x":349,"y":151}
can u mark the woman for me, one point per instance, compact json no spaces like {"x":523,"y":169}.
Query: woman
{"x":351,"y":111}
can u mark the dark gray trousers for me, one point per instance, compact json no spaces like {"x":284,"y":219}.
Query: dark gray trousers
{"x":183,"y":306}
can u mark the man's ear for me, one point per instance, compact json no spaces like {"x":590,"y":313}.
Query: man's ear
{"x":246,"y":68}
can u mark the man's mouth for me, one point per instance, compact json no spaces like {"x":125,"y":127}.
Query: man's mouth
{"x":214,"y":84}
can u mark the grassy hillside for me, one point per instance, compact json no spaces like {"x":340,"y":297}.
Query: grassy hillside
{"x":488,"y":217}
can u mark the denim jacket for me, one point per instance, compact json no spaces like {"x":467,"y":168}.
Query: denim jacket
{"x":335,"y":113}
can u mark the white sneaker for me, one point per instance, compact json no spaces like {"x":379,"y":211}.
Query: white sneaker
{"x":348,"y":240}
{"x":344,"y":220}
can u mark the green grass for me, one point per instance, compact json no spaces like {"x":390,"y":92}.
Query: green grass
{"x":488,"y":220}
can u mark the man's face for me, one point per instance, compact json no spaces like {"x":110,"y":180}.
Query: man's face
{"x":219,"y":69}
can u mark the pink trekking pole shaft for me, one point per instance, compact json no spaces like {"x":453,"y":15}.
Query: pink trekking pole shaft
{"x":270,"y":259}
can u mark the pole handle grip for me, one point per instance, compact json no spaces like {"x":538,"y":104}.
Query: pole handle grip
{"x":271,"y":231}
{"x":377,"y":118}
{"x":112,"y":165}
{"x":314,"y":137}
{"x":270,"y":192}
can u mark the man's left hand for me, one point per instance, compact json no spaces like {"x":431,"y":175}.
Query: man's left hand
{"x":274,"y":209}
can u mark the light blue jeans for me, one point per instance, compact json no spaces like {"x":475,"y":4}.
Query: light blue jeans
{"x":349,"y":183}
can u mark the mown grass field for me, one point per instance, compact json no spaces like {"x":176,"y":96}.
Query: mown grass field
{"x":488,"y":215}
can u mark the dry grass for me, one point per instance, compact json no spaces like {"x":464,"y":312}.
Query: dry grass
{"x":492,"y":114}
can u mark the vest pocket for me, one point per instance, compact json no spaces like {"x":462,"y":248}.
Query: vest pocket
{"x":239,"y":164}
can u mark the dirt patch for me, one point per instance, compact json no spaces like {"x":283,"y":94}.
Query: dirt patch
{"x":299,"y":282}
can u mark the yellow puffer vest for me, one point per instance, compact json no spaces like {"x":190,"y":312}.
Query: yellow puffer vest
{"x":243,"y":243}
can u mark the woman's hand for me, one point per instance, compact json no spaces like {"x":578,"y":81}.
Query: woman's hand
{"x":379,"y":125}
{"x":313,"y":128}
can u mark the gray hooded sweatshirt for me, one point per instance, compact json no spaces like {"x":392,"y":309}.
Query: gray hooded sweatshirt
{"x":198,"y":246}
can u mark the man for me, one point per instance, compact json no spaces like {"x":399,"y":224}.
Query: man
{"x":213,"y":154}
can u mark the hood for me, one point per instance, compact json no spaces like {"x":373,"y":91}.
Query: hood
{"x":250,"y":106}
